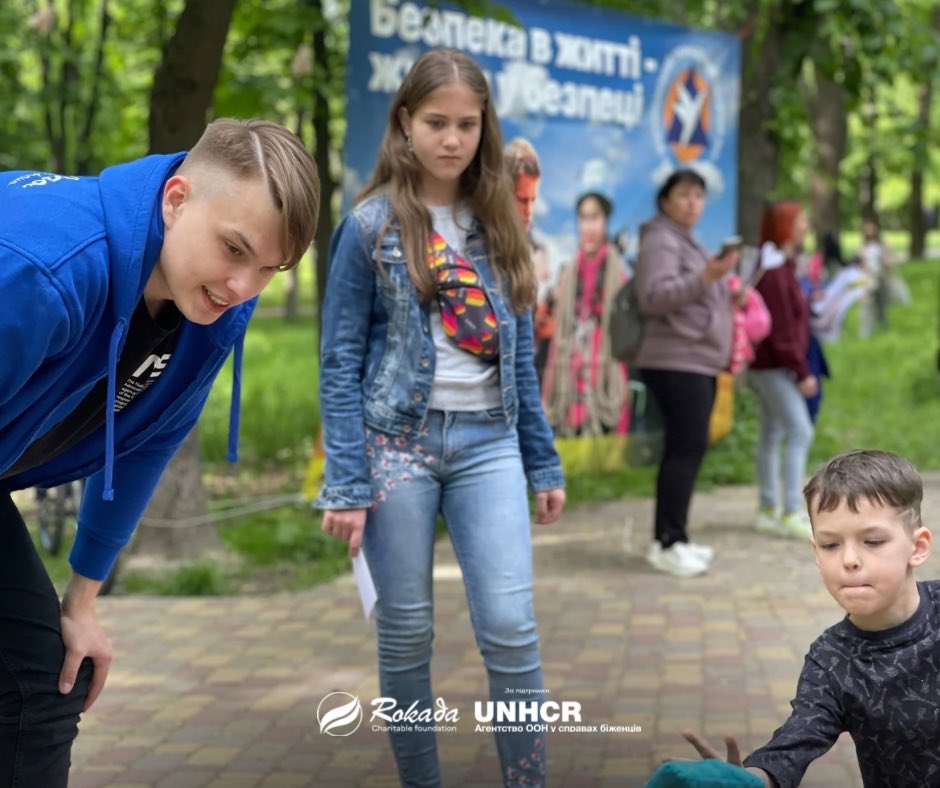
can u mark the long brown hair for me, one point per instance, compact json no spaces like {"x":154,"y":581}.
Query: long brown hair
{"x":484,"y":184}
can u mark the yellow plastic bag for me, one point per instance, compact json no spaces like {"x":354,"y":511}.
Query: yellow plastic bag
{"x":722,"y":417}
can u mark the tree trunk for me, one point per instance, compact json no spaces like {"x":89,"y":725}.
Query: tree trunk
{"x":758,"y":146}
{"x":54,"y":121}
{"x":323,"y":65}
{"x":868,"y":186}
{"x":825,"y":104}
{"x":181,"y":97}
{"x":293,"y":276}
{"x":290,"y":295}
{"x":83,"y":162}
{"x":180,"y":496}
{"x":915,"y":203}
{"x":180,"y":102}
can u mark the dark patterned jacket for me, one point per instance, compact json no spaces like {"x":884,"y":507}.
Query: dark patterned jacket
{"x":883,"y":688}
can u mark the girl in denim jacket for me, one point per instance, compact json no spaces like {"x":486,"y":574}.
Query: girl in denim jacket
{"x":430,"y":402}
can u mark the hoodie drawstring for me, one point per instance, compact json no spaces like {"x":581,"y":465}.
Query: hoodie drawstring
{"x":234,"y":412}
{"x":116,"y":338}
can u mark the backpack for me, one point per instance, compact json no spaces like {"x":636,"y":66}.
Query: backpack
{"x":626,"y":324}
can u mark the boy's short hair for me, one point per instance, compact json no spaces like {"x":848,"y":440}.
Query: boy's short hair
{"x":253,"y":148}
{"x":880,"y":477}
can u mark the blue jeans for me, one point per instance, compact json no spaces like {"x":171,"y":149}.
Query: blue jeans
{"x":783,"y":415}
{"x":37,"y":724}
{"x":466,"y":467}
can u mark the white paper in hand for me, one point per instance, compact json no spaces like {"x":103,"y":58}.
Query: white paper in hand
{"x":364,"y":582}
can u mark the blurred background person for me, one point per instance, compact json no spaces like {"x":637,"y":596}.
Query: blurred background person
{"x":782,"y":379}
{"x":684,"y":295}
{"x":585,"y":389}
{"x":876,"y":261}
{"x":522,"y":163}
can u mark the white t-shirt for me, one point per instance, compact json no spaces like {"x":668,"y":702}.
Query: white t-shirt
{"x":462,"y":381}
{"x":874,"y":254}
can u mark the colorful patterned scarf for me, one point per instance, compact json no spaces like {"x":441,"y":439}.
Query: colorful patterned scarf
{"x":466,"y":314}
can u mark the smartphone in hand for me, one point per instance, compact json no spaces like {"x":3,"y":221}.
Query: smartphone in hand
{"x":731,"y":244}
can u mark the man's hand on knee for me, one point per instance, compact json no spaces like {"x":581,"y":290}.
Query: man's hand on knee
{"x":83,"y":637}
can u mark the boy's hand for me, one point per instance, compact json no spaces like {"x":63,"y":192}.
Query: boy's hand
{"x":733,"y":756}
{"x":707,"y":751}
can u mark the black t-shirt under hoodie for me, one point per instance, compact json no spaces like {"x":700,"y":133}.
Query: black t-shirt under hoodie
{"x":146,"y":352}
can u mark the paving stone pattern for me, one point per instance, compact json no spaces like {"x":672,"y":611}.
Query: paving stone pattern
{"x":222,"y":693}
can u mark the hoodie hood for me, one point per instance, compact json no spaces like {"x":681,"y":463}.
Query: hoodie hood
{"x":132,"y":196}
{"x":134,"y":232}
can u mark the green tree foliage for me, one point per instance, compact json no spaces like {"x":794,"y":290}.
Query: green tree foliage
{"x":76,"y":75}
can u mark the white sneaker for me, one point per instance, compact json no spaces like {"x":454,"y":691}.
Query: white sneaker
{"x":797,"y":525}
{"x":676,"y":560}
{"x":704,"y":553}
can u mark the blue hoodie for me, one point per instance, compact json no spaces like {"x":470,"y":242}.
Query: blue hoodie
{"x":75,"y":254}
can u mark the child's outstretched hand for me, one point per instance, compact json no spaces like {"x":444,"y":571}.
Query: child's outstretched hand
{"x":736,"y":770}
{"x":707,"y":751}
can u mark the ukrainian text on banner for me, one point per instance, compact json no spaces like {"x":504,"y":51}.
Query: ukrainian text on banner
{"x":610,"y":102}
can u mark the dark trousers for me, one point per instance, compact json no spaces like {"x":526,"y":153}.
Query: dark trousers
{"x":685,"y":401}
{"x":37,"y":723}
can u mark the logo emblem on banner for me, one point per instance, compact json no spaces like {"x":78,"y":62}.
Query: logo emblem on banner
{"x":339,"y":714}
{"x":688,"y":115}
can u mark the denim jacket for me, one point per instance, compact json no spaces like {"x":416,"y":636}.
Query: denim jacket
{"x":377,"y":357}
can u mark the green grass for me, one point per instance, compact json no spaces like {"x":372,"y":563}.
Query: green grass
{"x":883,"y":392}
{"x":282,"y":549}
{"x":280,"y":410}
{"x":275,"y":294}
{"x":898,"y":240}
{"x":202,"y":578}
{"x":287,"y":542}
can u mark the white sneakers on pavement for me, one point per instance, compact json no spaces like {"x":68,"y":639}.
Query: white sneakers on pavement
{"x":682,"y":559}
{"x":701,"y":551}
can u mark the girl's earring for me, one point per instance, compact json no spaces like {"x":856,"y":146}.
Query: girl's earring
{"x":410,"y":143}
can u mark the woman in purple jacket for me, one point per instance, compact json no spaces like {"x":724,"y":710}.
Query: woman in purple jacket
{"x":684,"y":297}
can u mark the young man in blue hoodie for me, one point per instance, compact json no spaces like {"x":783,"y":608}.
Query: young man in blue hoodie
{"x":122,"y":297}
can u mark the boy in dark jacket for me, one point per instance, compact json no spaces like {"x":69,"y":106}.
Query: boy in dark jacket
{"x":875,"y":674}
{"x":122,"y":297}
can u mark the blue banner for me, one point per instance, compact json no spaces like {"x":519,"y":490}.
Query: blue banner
{"x":605,"y":98}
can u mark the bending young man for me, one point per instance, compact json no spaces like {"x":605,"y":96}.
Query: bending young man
{"x":122,"y":297}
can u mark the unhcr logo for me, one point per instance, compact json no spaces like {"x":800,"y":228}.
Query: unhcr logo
{"x":339,"y":714}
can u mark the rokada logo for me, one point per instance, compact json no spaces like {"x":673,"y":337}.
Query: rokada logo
{"x":339,"y":714}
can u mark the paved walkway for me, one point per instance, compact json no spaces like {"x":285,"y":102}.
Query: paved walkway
{"x":223,"y":692}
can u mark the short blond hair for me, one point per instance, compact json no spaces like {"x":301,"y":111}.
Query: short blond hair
{"x":259,"y":148}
